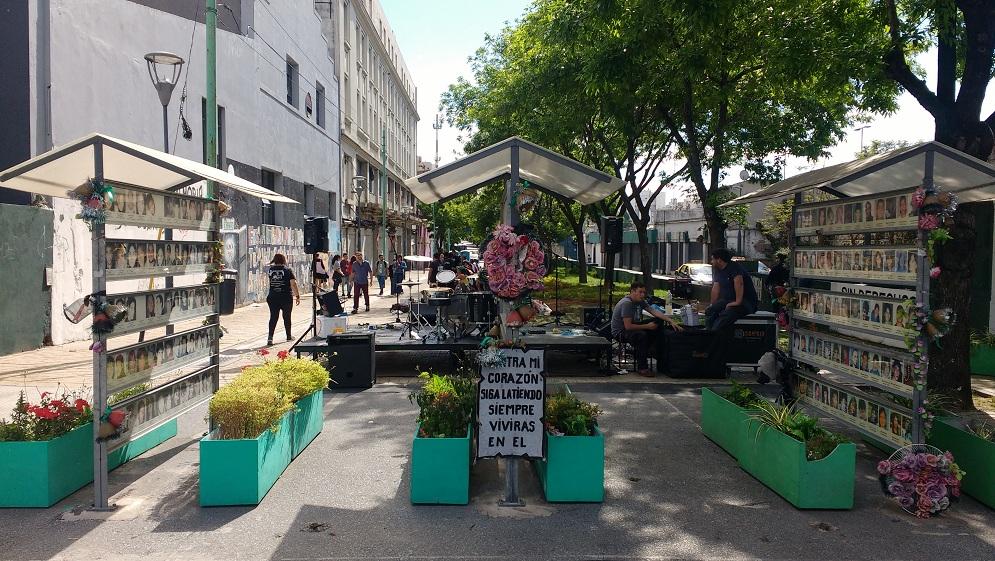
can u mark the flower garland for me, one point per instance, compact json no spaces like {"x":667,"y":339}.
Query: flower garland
{"x":514,"y":264}
{"x":94,"y":197}
{"x":924,"y":483}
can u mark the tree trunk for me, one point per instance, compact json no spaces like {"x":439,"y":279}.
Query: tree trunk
{"x":645,"y":259}
{"x":581,"y":259}
{"x":716,"y":229}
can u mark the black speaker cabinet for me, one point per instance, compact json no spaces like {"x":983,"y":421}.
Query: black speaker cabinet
{"x":689,"y":354}
{"x":352,"y":360}
{"x":316,"y":234}
{"x":611,"y":234}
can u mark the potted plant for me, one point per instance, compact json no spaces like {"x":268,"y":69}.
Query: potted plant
{"x":983,"y":353}
{"x":46,"y":450}
{"x":973,"y":444}
{"x":264,"y":418}
{"x":724,"y":418}
{"x":807,"y":465}
{"x":440,"y":449}
{"x":574,"y":467}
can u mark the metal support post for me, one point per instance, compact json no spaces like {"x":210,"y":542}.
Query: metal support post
{"x":100,"y":488}
{"x":510,"y":216}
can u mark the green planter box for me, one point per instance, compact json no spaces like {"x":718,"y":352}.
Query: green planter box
{"x":724,"y":423}
{"x":574,"y":468}
{"x":241,"y":472}
{"x":779,"y":462}
{"x":975,"y":455}
{"x":983,"y":360}
{"x":40,"y":474}
{"x":307,"y":421}
{"x":440,"y":469}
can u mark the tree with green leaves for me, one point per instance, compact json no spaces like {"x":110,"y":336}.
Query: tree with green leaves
{"x":881,"y":147}
{"x":963,"y":32}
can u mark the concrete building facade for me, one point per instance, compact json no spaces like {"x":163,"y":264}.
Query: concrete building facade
{"x":378,"y":102}
{"x":77,"y":66}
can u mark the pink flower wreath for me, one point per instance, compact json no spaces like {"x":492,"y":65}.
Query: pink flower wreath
{"x":514,"y":264}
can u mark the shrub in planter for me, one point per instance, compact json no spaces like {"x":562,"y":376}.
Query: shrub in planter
{"x":973,"y":444}
{"x":265,"y":418}
{"x":574,"y":467}
{"x":725,"y":417}
{"x":440,"y":450}
{"x":45,"y":449}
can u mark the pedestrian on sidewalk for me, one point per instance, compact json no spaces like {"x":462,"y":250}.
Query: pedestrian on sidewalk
{"x":381,"y":267}
{"x":397,"y":269}
{"x":319,"y":271}
{"x":336,"y":273}
{"x":362,"y":273}
{"x":346,"y":277}
{"x":283,"y":292}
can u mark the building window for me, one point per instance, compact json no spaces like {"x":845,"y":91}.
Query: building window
{"x":309,"y":201}
{"x":293,"y":82}
{"x":269,"y":208}
{"x":319,"y":105}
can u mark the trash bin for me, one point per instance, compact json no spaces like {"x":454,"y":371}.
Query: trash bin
{"x":229,"y":285}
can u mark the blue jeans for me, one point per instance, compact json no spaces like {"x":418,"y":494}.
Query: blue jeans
{"x":380,"y":281}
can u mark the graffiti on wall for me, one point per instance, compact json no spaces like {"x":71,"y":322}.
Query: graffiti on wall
{"x":265,"y":242}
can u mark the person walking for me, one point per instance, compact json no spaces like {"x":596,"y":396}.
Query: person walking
{"x":362,"y":273}
{"x":283,"y":292}
{"x":347,"y":277}
{"x":319,"y":271}
{"x":397,"y":269}
{"x":381,"y":269}
{"x":336,"y":273}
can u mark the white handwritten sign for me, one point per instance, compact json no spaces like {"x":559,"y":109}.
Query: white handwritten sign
{"x":510,"y":406}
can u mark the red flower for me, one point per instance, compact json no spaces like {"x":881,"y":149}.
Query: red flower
{"x":282,"y":355}
{"x":263,"y":352}
{"x":42,"y":413}
{"x":58,"y":404}
{"x":45,"y":394}
{"x":81,"y":405}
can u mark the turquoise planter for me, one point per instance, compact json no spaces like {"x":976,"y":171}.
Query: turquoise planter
{"x":982,"y":360}
{"x":242,"y":471}
{"x":779,"y":462}
{"x":574,"y":468}
{"x":40,"y":474}
{"x":307,"y":421}
{"x":724,"y":423}
{"x":975,"y":455}
{"x":440,"y":469}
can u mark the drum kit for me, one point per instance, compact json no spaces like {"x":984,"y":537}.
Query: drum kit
{"x":447,"y":312}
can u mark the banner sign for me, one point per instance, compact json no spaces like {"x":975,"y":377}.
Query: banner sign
{"x":157,"y":308}
{"x":878,"y":419}
{"x":893,"y":264}
{"x":881,"y":315}
{"x":510,"y":406}
{"x":871,"y":290}
{"x":162,"y":404}
{"x":892,"y":211}
{"x":133,"y":206}
{"x":137,"y":259}
{"x":138,"y":363}
{"x":883,"y":368}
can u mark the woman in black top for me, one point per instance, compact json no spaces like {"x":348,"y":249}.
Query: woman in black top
{"x":283,"y":292}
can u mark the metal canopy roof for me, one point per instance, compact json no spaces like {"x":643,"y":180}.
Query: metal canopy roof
{"x":64,"y":168}
{"x":972,"y":179}
{"x":513,"y":157}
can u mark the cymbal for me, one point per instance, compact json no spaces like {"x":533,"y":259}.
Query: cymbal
{"x":410,"y":283}
{"x":418,"y":258}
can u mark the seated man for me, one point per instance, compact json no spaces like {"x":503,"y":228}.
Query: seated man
{"x":627,"y":329}
{"x":733,"y":294}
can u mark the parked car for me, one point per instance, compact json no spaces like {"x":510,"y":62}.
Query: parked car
{"x":699,"y":273}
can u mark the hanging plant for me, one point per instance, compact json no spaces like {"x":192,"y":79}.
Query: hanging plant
{"x":937,"y":237}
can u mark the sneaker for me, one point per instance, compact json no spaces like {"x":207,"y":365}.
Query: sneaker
{"x":269,"y":342}
{"x":355,"y":311}
{"x":367,"y":308}
{"x":290,"y":338}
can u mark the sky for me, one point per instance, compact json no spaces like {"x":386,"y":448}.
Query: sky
{"x":437,"y":36}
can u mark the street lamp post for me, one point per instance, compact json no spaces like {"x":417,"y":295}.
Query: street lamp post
{"x":169,"y":65}
{"x":358,"y":184}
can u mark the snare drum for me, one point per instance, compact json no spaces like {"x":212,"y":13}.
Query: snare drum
{"x":481,"y":308}
{"x":445,"y":276}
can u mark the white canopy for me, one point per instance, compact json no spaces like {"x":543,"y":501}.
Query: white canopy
{"x":543,"y":168}
{"x":972,"y":179}
{"x":64,"y":168}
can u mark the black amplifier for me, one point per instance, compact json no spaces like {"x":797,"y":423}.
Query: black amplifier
{"x":352,"y":360}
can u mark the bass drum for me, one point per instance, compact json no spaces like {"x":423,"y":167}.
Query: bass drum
{"x":481,"y":307}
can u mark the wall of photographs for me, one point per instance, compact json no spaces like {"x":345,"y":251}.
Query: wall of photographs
{"x":852,"y":336}
{"x":859,"y":214}
{"x":872,"y":414}
{"x":263,"y":243}
{"x":180,"y":369}
{"x":139,"y":259}
{"x":890,"y":264}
